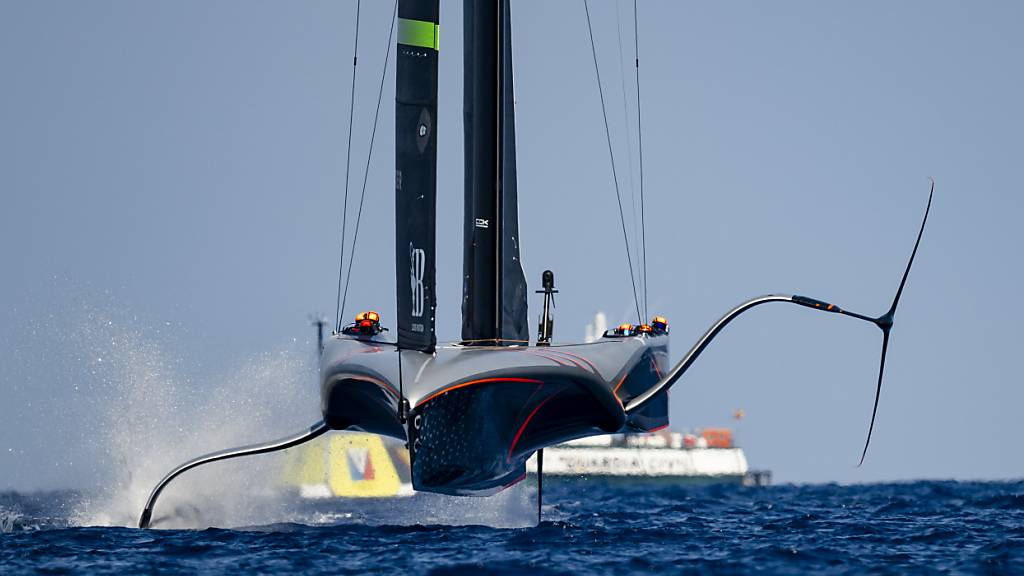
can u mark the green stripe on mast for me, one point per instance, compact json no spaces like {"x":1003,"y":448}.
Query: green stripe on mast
{"x":418,"y":33}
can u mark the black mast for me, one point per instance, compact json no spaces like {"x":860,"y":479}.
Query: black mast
{"x":494,"y":307}
{"x":416,"y":172}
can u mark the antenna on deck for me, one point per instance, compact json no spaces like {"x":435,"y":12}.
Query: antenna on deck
{"x":319,"y":322}
{"x":547,"y":323}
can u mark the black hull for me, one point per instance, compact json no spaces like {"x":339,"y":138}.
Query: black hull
{"x":476,"y":439}
{"x":362,"y":405}
{"x":477,"y":414}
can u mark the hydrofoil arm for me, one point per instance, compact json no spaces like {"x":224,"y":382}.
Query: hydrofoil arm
{"x":884,"y":322}
{"x":281,"y":444}
{"x":677,"y":371}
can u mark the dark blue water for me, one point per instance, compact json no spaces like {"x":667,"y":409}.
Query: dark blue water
{"x":920,"y":527}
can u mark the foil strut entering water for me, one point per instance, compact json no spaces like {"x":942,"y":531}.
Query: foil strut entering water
{"x":281,"y":444}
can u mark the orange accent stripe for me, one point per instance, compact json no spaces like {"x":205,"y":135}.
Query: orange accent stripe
{"x":654,"y":364}
{"x":619,"y":385}
{"x":525,"y":422}
{"x":379,"y":382}
{"x":588,"y":362}
{"x":388,"y":387}
{"x":569,"y":360}
{"x":371,"y":380}
{"x":658,"y":428}
{"x":474,"y":382}
{"x":553,"y":358}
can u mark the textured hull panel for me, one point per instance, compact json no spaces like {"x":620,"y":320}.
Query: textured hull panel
{"x":476,"y":439}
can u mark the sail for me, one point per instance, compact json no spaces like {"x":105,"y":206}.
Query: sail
{"x":514,"y":319}
{"x":494,"y":304}
{"x":416,"y":172}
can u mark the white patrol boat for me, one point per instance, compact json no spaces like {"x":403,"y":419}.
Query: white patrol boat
{"x":701,"y":456}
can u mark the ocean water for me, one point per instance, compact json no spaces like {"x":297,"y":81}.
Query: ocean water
{"x":233,"y":517}
{"x":589,"y":527}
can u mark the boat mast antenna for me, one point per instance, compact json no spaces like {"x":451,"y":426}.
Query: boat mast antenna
{"x":320,"y":322}
{"x":547,"y":323}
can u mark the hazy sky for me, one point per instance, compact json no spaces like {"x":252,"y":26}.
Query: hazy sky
{"x":172,"y":177}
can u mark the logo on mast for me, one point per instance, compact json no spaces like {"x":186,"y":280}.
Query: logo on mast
{"x":423,"y":130}
{"x":417,"y":264}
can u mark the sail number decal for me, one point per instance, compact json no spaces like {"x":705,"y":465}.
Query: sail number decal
{"x":417,"y":264}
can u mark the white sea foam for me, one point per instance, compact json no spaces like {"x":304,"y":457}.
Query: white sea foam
{"x":8,"y":520}
{"x":149,"y":415}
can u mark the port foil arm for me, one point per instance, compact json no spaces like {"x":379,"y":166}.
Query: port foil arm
{"x":884,"y":322}
{"x":670,"y":377}
{"x":312,"y":432}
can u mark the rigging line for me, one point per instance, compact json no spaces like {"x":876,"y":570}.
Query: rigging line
{"x":611,"y":154}
{"x":640,"y":141}
{"x":348,"y":163}
{"x":629,"y":155}
{"x":369,"y":155}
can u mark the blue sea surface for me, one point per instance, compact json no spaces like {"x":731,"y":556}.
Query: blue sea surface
{"x":589,"y":528}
